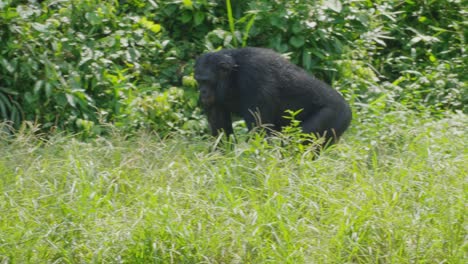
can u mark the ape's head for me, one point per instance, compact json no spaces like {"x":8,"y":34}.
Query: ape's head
{"x":212,"y":72}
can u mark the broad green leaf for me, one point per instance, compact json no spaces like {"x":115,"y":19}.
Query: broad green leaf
{"x":199,"y":18}
{"x":93,"y":18}
{"x":296,"y":28}
{"x":39,"y":27}
{"x":297,"y":41}
{"x":150,"y":25}
{"x":334,"y":5}
{"x":7,"y":65}
{"x":188,"y":4}
{"x":186,"y":17}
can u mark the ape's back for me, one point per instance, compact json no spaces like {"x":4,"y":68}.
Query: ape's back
{"x":278,"y":80}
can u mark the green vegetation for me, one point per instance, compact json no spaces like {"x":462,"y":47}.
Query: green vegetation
{"x":399,"y":197}
{"x":104,"y":156}
{"x":77,"y":65}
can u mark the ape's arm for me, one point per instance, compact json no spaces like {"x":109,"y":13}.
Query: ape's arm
{"x":219,"y":119}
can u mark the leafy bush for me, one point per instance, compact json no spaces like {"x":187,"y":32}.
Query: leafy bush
{"x":367,"y":49}
{"x":426,"y":58}
{"x":73,"y":64}
{"x":78,"y":64}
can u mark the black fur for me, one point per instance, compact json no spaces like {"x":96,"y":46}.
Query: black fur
{"x":259,"y":85}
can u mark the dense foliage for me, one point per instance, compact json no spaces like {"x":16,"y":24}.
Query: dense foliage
{"x":77,"y":65}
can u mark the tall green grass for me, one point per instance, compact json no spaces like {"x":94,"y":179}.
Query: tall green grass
{"x":393,"y":193}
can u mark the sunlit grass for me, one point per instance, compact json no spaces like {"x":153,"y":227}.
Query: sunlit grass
{"x":389,"y":194}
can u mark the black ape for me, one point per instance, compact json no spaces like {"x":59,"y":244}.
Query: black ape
{"x":260,"y":85}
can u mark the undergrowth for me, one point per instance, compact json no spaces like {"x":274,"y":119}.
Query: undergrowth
{"x":393,"y":193}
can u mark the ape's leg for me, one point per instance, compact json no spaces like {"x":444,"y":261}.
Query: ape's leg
{"x":328,"y":123}
{"x":220,"y":120}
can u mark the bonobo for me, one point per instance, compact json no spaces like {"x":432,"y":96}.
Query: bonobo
{"x":260,"y":85}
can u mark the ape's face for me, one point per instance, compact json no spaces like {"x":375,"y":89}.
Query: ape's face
{"x":212,"y":72}
{"x":207,"y":82}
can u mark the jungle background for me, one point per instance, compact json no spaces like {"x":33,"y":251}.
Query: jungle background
{"x":105,"y":157}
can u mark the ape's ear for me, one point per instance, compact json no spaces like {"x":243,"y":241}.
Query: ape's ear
{"x":227,"y":63}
